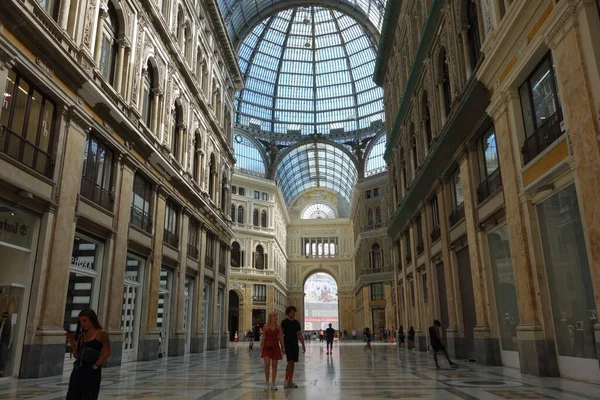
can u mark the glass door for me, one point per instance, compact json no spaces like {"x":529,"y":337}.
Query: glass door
{"x":130,"y":320}
{"x":164,"y":310}
{"x":187,"y":312}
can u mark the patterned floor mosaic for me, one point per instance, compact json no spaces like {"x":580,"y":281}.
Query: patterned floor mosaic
{"x":350,"y":373}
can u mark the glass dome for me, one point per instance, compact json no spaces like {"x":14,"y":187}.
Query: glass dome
{"x":308,"y":70}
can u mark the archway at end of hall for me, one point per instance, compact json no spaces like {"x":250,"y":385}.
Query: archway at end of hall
{"x":321,"y":306}
{"x":234,"y":315}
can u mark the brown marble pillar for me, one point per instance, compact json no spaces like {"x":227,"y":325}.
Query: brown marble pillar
{"x":197,"y":342}
{"x":177,"y":338}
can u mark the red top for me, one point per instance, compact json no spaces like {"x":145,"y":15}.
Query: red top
{"x":271,"y":347}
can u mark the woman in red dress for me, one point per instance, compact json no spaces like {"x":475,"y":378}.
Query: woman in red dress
{"x":271,"y":348}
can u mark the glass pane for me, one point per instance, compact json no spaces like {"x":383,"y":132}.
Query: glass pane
{"x":20,"y":107}
{"x":543,"y":93}
{"x":571,"y":293}
{"x":458,"y":190}
{"x":504,"y":287}
{"x":528,"y":119}
{"x":7,"y":97}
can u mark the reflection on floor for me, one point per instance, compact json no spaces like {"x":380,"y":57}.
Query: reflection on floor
{"x":350,"y":373}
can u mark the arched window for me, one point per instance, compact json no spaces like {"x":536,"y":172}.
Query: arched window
{"x":427,"y":118}
{"x":403,"y":163}
{"x":240,"y":215}
{"x":109,"y":46}
{"x":376,"y":259}
{"x":51,"y":7}
{"x":473,"y":32}
{"x":370,"y":217}
{"x":224,"y":192}
{"x":318,"y":211}
{"x":180,"y":28}
{"x":187,"y":45}
{"x":445,"y":80}
{"x":413,"y":148}
{"x":263,"y":219}
{"x":375,"y":161}
{"x":255,"y":217}
{"x":249,"y":159}
{"x":204,"y":77}
{"x":196,"y":157}
{"x":176,"y":122}
{"x":199,"y":64}
{"x":233,"y":213}
{"x":260,"y":258}
{"x":148,"y":86}
{"x":212,"y":177}
{"x":236,"y":255}
{"x":378,"y":216}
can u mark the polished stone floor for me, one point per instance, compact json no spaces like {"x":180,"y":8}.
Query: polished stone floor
{"x":350,"y":373}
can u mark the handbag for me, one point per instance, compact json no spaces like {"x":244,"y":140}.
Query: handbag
{"x":89,"y":355}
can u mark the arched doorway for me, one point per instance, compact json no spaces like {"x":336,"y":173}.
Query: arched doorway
{"x":234,"y":314}
{"x":320,"y":302}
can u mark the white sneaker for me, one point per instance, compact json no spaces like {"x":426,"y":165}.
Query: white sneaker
{"x":274,"y":387}
{"x":267,"y":386}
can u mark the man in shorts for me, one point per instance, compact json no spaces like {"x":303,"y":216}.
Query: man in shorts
{"x":329,"y":334}
{"x":292,"y":332}
{"x":437,"y":343}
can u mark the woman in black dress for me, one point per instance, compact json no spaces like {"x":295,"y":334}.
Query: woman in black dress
{"x":437,"y":344}
{"x":91,"y":348}
{"x":411,"y":338}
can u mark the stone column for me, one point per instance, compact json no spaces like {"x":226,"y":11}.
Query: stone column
{"x":537,"y":355}
{"x":45,"y":357}
{"x":449,"y":270}
{"x":486,"y":347}
{"x":177,"y":339}
{"x":432,"y":309}
{"x":197,"y":344}
{"x":442,"y":100}
{"x":122,"y":213}
{"x":214,"y":317}
{"x":149,"y":341}
{"x":405,"y":313}
{"x":584,"y":133}
{"x":467,"y":57}
{"x":63,"y":14}
{"x":102,"y":15}
{"x":120,"y":67}
{"x":156,"y":93}
{"x":415,"y":320}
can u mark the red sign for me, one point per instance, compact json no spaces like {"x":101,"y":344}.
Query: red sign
{"x":321,"y":319}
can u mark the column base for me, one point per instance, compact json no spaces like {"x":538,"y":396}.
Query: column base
{"x":148,"y":347}
{"x":46,"y":357}
{"x":420,"y":342}
{"x":177,"y":345}
{"x":537,"y":355}
{"x":455,"y":345}
{"x":487,"y":348}
{"x":212,"y":342}
{"x":597,"y":336}
{"x":225,"y":341}
{"x":116,"y":349}
{"x":197,"y":344}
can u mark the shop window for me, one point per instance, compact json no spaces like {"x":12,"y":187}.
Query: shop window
{"x":171,"y":235}
{"x":193,"y":239}
{"x":259,"y":293}
{"x":141,"y":207}
{"x":504,"y":287}
{"x":569,"y":278}
{"x":542,"y":115}
{"x":109,"y":46}
{"x":27,"y":121}
{"x":377,"y":291}
{"x":240,"y":211}
{"x":458,"y":210}
{"x":489,"y":166}
{"x":96,"y":179}
{"x":263,"y":219}
{"x":473,"y":33}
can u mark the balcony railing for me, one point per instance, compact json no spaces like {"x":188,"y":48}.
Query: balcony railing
{"x":457,"y":214}
{"x":208,"y":262}
{"x":170,"y":238}
{"x":222,"y":269}
{"x":22,"y":150}
{"x":543,"y":137}
{"x":489,"y":186}
{"x":420,"y":248}
{"x":435,"y":234}
{"x":141,"y":219}
{"x":192,"y":251}
{"x":96,"y":193}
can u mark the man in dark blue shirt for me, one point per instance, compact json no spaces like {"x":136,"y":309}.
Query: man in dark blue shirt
{"x":292,"y":332}
{"x":329,"y":335}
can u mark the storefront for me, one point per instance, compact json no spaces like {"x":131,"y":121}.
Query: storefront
{"x":18,"y":228}
{"x":163,"y":320}
{"x":132,"y":303}
{"x":570,"y":285}
{"x":188,"y":301}
{"x":206,"y":296}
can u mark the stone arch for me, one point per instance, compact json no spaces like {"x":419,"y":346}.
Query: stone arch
{"x":122,"y":22}
{"x":332,"y":271}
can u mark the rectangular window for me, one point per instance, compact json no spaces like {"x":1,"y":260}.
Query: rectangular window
{"x":457,"y":190}
{"x":233,"y":189}
{"x":376,"y":192}
{"x":27,"y":124}
{"x":241,"y":191}
{"x":171,"y":224}
{"x":541,"y":109}
{"x":265,"y":196}
{"x":435,"y":213}
{"x":489,"y":166}
{"x":368,"y":194}
{"x":259,"y":293}
{"x":377,"y":292}
{"x":141,"y":206}
{"x":419,"y":229}
{"x":51,"y":7}
{"x":97,"y":173}
{"x":193,"y":239}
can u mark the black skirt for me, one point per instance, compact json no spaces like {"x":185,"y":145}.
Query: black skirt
{"x":84,"y":383}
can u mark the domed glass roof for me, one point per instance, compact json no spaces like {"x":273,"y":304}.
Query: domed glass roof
{"x":308,"y":70}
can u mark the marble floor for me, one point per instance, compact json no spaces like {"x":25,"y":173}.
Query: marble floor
{"x":350,"y":373}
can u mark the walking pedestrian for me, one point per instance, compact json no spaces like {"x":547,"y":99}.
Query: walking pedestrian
{"x":437,"y":343}
{"x":368,"y":339}
{"x":329,"y":334}
{"x":292,"y":332}
{"x":353,"y":334}
{"x":271,"y":345}
{"x":321,"y":334}
{"x":91,"y":348}
{"x":401,"y":336}
{"x":411,"y":337}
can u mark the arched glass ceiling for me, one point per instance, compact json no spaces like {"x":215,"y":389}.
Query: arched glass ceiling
{"x":309,"y":69}
{"x":241,"y":15}
{"x":318,"y":211}
{"x":248,"y":157}
{"x":313,"y":165}
{"x":375,"y":161}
